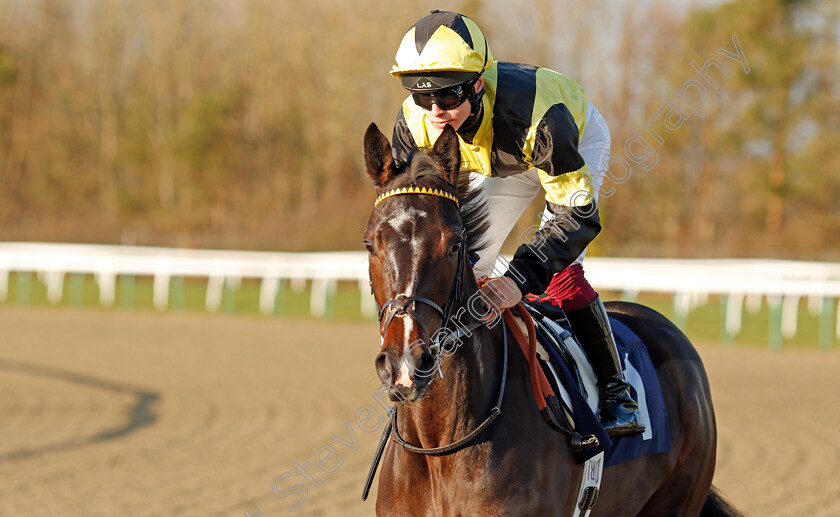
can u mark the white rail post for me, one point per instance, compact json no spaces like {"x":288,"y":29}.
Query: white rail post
{"x":4,"y":284}
{"x":107,"y":282}
{"x":732,"y":305}
{"x":268,"y":294}
{"x":682,"y":306}
{"x":160,"y":291}
{"x":774,"y":319}
{"x":368,"y":302}
{"x":318,"y":298}
{"x":213,"y":298}
{"x":826,"y":320}
{"x":790,"y":314}
{"x":55,"y":286}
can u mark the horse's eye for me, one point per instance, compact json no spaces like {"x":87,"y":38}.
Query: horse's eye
{"x":368,"y":245}
{"x":455,"y":248}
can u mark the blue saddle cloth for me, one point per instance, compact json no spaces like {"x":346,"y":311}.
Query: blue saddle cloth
{"x":644,"y":385}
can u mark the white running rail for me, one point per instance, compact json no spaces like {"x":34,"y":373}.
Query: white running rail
{"x":744,"y":282}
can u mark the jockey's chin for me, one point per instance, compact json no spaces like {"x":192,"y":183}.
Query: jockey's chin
{"x":440,"y":118}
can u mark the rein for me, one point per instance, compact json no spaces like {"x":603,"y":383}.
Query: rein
{"x":392,"y":422}
{"x":494,"y":414}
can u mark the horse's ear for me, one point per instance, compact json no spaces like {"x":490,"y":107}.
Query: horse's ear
{"x":378,"y":159}
{"x":448,"y":151}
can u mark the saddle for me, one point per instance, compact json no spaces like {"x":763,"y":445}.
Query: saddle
{"x":559,"y":346}
{"x":540,"y":320}
{"x":569,"y":372}
{"x":550,"y":359}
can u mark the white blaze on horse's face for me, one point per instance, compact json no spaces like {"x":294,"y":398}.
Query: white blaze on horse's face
{"x":404,"y":375}
{"x":405,"y":224}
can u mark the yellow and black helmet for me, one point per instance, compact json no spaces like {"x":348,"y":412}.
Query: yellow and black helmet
{"x":441,"y":50}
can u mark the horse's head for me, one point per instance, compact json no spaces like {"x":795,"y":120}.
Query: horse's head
{"x":418,"y":255}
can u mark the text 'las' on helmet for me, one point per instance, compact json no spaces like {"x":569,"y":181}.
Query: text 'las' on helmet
{"x":441,"y":50}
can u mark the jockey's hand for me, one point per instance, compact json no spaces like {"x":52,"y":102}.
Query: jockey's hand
{"x":500,"y":293}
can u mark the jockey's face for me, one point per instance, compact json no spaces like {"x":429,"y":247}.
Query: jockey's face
{"x":456,"y":116}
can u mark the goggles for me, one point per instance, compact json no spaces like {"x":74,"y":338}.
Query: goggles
{"x":446,"y":99}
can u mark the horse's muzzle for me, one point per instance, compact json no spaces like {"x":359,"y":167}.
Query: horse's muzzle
{"x":407,"y":376}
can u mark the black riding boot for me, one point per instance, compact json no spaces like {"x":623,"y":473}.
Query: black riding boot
{"x":619,"y":413}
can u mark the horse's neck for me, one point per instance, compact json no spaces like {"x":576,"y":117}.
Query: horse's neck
{"x":456,"y":404}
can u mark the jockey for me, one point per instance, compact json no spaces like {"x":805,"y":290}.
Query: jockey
{"x":521,"y":129}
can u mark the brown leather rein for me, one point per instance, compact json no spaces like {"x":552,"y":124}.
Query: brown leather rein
{"x":494,"y":414}
{"x":539,"y":384}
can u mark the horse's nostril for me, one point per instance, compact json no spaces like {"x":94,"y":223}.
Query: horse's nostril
{"x":425,"y":368}
{"x":383,"y":370}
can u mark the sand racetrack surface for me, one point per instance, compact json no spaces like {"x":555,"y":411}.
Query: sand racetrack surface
{"x":136,"y":414}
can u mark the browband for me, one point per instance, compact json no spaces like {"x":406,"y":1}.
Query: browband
{"x":417,"y":190}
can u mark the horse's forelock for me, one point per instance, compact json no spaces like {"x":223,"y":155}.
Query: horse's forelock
{"x":424,"y":166}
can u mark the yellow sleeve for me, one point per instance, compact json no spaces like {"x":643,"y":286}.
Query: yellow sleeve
{"x":570,"y":189}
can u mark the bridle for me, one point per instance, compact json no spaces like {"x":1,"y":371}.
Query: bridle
{"x":402,"y":304}
{"x":407,"y":305}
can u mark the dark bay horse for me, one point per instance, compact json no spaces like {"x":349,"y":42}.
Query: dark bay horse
{"x":418,"y":242}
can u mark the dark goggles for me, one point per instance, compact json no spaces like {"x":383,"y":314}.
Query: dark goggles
{"x":446,"y":99}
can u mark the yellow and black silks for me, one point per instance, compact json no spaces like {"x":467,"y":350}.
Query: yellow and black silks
{"x":530,"y":118}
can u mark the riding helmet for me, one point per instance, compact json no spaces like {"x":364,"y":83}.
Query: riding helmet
{"x":441,"y":50}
